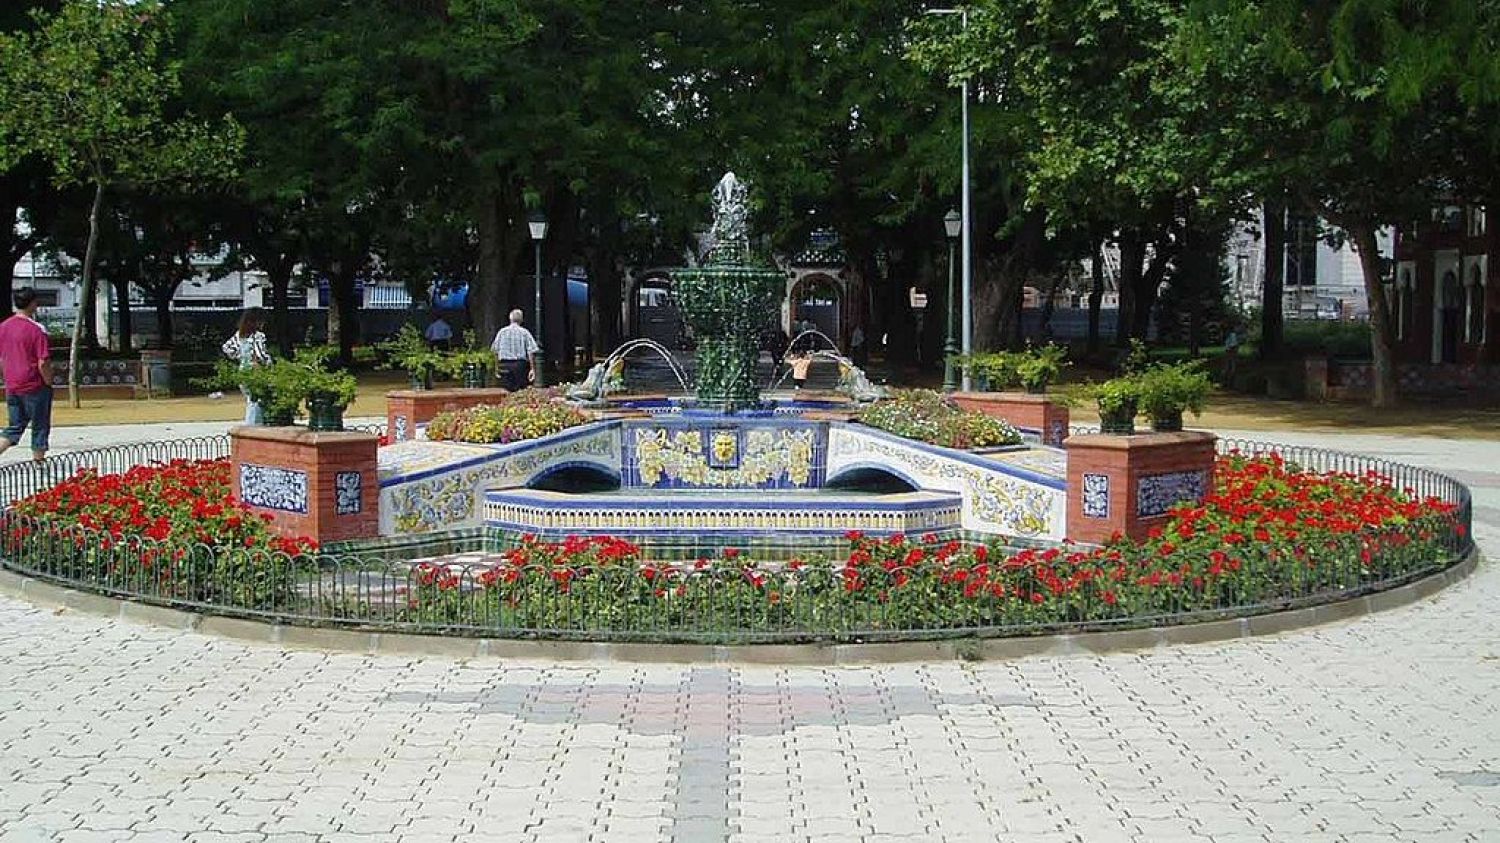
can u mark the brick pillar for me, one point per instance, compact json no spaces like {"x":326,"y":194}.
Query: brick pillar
{"x":407,"y":408}
{"x":1022,"y":409}
{"x":322,"y":485}
{"x":1126,"y":484}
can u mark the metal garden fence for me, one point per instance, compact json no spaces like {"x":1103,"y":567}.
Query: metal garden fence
{"x":715,"y":603}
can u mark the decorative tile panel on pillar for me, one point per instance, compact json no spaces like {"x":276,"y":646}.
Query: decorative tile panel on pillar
{"x":1029,"y":412}
{"x":408,"y":409}
{"x":1127,"y":484}
{"x":321,"y":485}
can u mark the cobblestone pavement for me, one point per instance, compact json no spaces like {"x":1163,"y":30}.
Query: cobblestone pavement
{"x":1385,"y":728}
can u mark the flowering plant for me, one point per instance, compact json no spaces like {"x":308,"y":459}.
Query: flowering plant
{"x":176,"y":525}
{"x":1269,"y":533}
{"x":929,"y":416}
{"x":528,"y":414}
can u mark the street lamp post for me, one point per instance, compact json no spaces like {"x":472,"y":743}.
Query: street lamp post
{"x":966,"y":218}
{"x":538,"y":225}
{"x":954,"y":224}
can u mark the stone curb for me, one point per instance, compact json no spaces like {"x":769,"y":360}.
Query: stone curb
{"x":335,"y":639}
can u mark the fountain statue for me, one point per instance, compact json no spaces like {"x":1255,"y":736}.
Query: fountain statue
{"x":727,"y":302}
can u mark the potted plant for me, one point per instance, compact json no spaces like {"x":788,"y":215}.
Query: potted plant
{"x":328,"y":393}
{"x":278,"y":388}
{"x":409,"y":351}
{"x":471,"y":364}
{"x":1167,"y":390}
{"x":1117,"y":400}
{"x":1035,"y":368}
{"x":991,"y":371}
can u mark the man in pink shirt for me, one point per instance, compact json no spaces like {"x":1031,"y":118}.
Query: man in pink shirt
{"x":25,"y":357}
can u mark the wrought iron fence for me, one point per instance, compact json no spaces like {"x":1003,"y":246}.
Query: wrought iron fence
{"x":715,"y":603}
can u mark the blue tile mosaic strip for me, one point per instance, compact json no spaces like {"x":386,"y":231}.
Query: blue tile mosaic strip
{"x":273,"y":488}
{"x":1157,"y":493}
{"x":1096,"y":496}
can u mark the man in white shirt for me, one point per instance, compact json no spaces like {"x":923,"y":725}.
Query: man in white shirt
{"x":517,"y":349}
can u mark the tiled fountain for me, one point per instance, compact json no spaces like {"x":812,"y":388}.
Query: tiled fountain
{"x":724,"y":467}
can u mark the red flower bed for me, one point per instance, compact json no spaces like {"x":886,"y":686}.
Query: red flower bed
{"x":173,"y":530}
{"x":183,"y":501}
{"x":1269,"y":532}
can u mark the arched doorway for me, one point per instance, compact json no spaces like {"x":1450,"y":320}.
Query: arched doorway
{"x":818,"y":299}
{"x":1451,"y":316}
{"x":656,"y":315}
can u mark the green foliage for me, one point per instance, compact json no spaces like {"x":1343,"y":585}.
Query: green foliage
{"x":90,"y":90}
{"x":929,"y":416}
{"x":471,"y":354}
{"x":1168,"y":390}
{"x":1032,"y":368}
{"x":1117,"y":396}
{"x":317,"y":379}
{"x":1332,"y":338}
{"x":410,"y":352}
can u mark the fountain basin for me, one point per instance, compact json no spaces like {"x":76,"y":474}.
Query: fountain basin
{"x":724,"y":518}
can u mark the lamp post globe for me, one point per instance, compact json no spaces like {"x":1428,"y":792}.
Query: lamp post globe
{"x":537,"y":223}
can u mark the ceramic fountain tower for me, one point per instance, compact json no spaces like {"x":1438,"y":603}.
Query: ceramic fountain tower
{"x":728,"y":301}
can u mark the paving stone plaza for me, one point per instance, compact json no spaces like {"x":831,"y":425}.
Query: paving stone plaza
{"x":1380,"y":729}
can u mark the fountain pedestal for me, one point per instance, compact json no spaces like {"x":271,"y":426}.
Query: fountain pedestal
{"x":1125,"y":485}
{"x":407,"y":409}
{"x":321,"y":485}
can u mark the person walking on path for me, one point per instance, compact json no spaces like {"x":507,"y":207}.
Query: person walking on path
{"x":1231,"y":355}
{"x":247,"y":346}
{"x":25,"y":355}
{"x":517,"y":350}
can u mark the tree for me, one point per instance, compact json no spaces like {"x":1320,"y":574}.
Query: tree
{"x":1357,"y":102}
{"x":1110,"y":120}
{"x":89,"y":92}
{"x":25,"y":188}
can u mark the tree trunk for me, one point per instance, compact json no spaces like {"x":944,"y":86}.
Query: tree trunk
{"x":280,"y":274}
{"x":498,"y":284}
{"x":1382,"y":331}
{"x":1148,"y":286}
{"x":86,"y":296}
{"x":605,"y":292}
{"x":1096,"y":298}
{"x":122,"y":304}
{"x":1272,"y":321}
{"x":162,"y":301}
{"x":1132,"y":258}
{"x":1000,"y":287}
{"x":343,"y":311}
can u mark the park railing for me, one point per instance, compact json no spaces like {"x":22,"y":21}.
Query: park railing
{"x":716,"y":602}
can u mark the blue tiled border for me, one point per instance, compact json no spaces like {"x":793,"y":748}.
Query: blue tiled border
{"x":502,"y":451}
{"x":961,"y":456}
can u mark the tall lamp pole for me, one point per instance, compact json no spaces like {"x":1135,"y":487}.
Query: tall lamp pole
{"x":953,"y":223}
{"x":538,"y":225}
{"x":966,"y":218}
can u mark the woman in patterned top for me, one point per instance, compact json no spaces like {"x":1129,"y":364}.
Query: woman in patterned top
{"x":248,"y":346}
